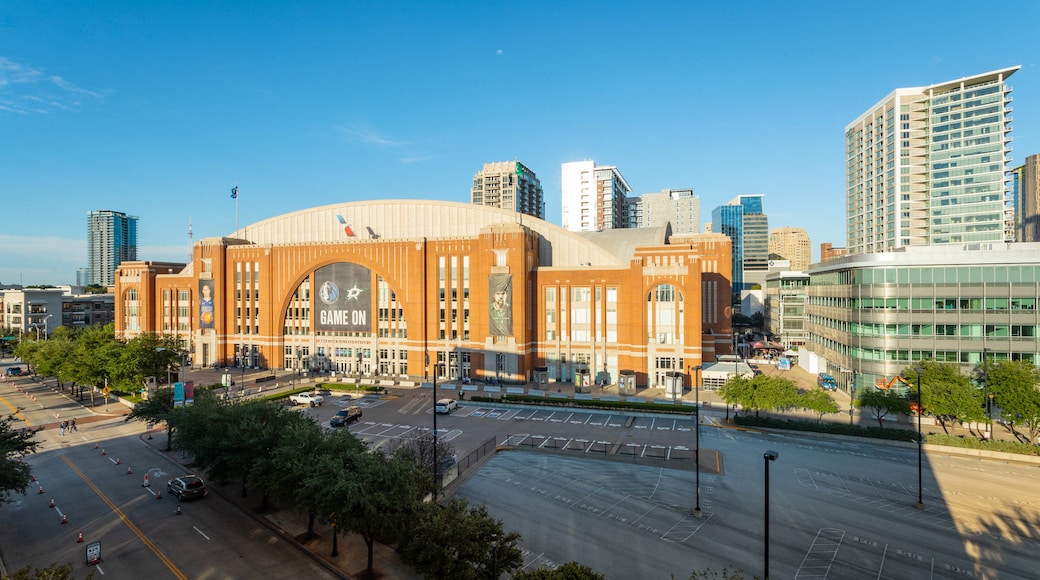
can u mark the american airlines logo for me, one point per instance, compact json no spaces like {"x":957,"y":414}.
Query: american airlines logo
{"x":346,"y":227}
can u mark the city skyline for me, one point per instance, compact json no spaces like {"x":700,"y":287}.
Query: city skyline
{"x":159,"y":111}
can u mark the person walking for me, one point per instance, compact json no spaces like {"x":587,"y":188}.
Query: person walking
{"x":73,"y":426}
{"x":63,"y":425}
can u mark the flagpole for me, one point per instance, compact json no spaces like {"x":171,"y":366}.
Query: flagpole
{"x":236,"y":208}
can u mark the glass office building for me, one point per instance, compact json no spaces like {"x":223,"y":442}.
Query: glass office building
{"x":870,"y":316}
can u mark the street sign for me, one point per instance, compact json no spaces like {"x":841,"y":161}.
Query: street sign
{"x":93,"y":553}
{"x":105,"y":391}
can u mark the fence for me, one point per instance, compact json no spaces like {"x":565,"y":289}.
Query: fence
{"x":476,"y":455}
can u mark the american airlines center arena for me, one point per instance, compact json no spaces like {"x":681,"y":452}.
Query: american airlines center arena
{"x":405,"y":289}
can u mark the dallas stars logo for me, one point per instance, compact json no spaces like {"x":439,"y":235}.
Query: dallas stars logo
{"x":354,"y":293}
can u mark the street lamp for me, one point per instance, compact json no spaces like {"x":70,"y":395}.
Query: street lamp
{"x":920,"y":441}
{"x":45,"y":332}
{"x":987,"y":398}
{"x":435,"y":482}
{"x":697,"y":436}
{"x":767,"y":457}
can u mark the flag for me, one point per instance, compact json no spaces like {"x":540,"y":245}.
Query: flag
{"x":234,"y":192}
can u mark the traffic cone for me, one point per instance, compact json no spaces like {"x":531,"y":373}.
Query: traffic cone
{"x":41,"y":489}
{"x":103,"y":451}
{"x":79,"y":539}
{"x":52,"y":502}
{"x":128,"y":472}
{"x":64,"y":519}
{"x":33,"y":478}
{"x":158,"y":495}
{"x":117,"y":461}
{"x":146,"y":484}
{"x":95,"y":446}
{"x":178,"y":512}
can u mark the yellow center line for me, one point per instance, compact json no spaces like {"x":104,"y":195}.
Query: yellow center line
{"x":15,"y":411}
{"x":151,"y":545}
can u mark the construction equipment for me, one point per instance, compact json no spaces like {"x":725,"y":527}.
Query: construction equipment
{"x":884,"y":386}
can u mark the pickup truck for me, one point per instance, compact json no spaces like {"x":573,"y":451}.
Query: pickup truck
{"x":306,"y":399}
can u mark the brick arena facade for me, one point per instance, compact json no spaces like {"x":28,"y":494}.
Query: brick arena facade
{"x":379,"y":288}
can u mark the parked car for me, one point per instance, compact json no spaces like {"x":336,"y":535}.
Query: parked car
{"x":14,"y":371}
{"x":445,"y":406}
{"x":344,"y":416}
{"x":186,"y":487}
{"x":307,"y":399}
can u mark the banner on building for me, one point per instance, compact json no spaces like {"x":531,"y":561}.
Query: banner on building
{"x":500,"y":309}
{"x":343,"y":298}
{"x":206,"y":313}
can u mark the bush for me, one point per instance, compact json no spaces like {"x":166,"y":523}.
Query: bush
{"x":832,"y":428}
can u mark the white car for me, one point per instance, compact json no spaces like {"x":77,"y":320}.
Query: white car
{"x":307,"y":399}
{"x":445,"y":406}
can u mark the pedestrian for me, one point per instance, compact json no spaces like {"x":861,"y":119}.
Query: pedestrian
{"x":63,"y":425}
{"x":73,"y":425}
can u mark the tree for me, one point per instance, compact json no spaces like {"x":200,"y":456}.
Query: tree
{"x":454,"y":540}
{"x":15,"y":476}
{"x":1015,"y":386}
{"x":158,"y":408}
{"x":817,"y":401}
{"x":948,"y":395}
{"x":760,"y":393}
{"x":420,"y":451}
{"x":374,"y":498}
{"x":883,"y":402}
{"x":568,"y":571}
{"x":53,"y":572}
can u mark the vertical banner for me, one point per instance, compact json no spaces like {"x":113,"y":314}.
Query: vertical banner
{"x":344,"y":298}
{"x":500,"y":310}
{"x":206,"y":314}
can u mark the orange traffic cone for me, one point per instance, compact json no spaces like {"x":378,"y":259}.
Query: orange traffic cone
{"x":95,"y":446}
{"x":34,"y":478}
{"x":178,"y":512}
{"x":128,"y":472}
{"x":64,"y":519}
{"x":52,"y":502}
{"x":79,"y":539}
{"x":158,"y":495}
{"x":103,"y":451}
{"x":41,"y":488}
{"x":146,"y":484}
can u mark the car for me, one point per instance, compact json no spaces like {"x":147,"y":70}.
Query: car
{"x":14,"y":371}
{"x":344,"y":416}
{"x":307,"y":399}
{"x":186,"y":487}
{"x":445,"y":406}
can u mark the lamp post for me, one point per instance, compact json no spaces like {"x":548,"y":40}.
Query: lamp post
{"x":920,"y":442}
{"x":435,"y":478}
{"x":768,"y":456}
{"x":986,"y":397}
{"x":45,"y":332}
{"x":494,"y":556}
{"x":697,"y":436}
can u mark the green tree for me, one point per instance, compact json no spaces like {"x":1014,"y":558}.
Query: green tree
{"x":95,"y":354}
{"x":53,"y":572}
{"x":1015,"y":386}
{"x":159,"y":409}
{"x":882,"y":402}
{"x":457,"y":541}
{"x":948,"y":395}
{"x":15,"y":476}
{"x":568,"y":571}
{"x":760,"y":393}
{"x":817,"y":401}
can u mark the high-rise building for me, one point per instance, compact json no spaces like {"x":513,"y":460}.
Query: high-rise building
{"x":509,"y":185}
{"x":1026,"y":195}
{"x":679,"y":207}
{"x":927,"y":165}
{"x":791,"y":244}
{"x":594,"y":198}
{"x":743,"y":220}
{"x":111,"y":240}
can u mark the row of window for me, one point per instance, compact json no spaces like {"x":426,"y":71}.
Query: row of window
{"x":925,"y":304}
{"x":962,"y":330}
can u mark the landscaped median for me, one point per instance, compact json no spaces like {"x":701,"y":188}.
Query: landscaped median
{"x":672,"y":408}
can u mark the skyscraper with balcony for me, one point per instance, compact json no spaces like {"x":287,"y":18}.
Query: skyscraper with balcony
{"x":928,"y":166}
{"x":594,"y":197}
{"x":111,"y":240}
{"x":509,"y":185}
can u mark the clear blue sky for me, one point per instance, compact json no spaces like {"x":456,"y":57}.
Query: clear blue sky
{"x":157,"y":109}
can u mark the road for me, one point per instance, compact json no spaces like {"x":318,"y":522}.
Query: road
{"x":103,"y":496}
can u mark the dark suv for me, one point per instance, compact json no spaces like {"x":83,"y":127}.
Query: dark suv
{"x":344,"y":416}
{"x":186,"y":487}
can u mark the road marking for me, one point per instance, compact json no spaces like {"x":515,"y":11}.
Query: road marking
{"x":821,"y":554}
{"x":200,"y":532}
{"x":129,"y":524}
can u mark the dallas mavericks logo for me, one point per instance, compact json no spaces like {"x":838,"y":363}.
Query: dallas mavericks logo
{"x":329,"y":292}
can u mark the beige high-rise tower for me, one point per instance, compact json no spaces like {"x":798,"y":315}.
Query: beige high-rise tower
{"x":508,"y":185}
{"x":791,"y":244}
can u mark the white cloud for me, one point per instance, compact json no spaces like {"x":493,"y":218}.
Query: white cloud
{"x":28,"y":90}
{"x":369,"y":136}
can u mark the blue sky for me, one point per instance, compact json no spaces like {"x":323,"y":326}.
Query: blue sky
{"x":157,"y":109}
